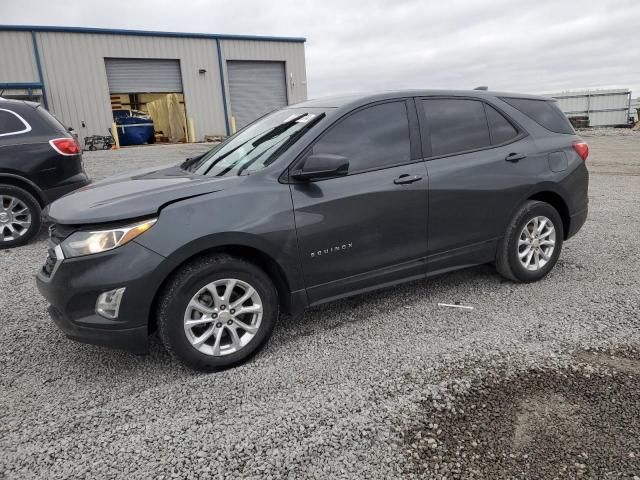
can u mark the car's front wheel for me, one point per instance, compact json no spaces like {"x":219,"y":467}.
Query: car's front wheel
{"x":19,"y":216}
{"x":532,"y":243}
{"x":216,"y":312}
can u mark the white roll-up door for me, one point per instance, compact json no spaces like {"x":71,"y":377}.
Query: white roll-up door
{"x":255,"y":88}
{"x":133,"y":75}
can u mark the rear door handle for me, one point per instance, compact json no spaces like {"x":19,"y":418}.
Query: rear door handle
{"x":514,"y":157}
{"x":405,"y":179}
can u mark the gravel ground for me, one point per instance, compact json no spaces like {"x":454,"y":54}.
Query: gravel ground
{"x":538,"y":381}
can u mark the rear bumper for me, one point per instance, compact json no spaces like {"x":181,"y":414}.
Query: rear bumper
{"x":576,"y":222}
{"x":77,"y":181}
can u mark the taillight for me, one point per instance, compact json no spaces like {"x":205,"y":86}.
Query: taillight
{"x":65,"y":146}
{"x":581,"y":149}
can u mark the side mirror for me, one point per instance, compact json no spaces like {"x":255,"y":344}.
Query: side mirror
{"x":322,"y":165}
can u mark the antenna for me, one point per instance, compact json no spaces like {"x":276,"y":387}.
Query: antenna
{"x":482,"y":87}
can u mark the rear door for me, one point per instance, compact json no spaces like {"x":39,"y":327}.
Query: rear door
{"x":369,"y":227}
{"x":480,"y":164}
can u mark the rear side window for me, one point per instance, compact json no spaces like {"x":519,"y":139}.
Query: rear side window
{"x":456,"y":125}
{"x":501,"y":129}
{"x":544,"y":113}
{"x":11,"y":123}
{"x":375,"y":137}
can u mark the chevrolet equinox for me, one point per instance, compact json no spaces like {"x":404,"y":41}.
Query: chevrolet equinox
{"x":312,"y":203}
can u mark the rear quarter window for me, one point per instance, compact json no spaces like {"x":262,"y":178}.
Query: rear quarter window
{"x":544,"y":112}
{"x":11,"y":123}
{"x":502,"y":131}
{"x":51,"y":121}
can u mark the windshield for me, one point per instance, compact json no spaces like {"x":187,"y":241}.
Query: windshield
{"x":257,"y":146}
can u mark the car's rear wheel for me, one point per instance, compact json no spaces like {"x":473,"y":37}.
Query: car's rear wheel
{"x":216,"y":312}
{"x":19,"y":216}
{"x":532,"y":243}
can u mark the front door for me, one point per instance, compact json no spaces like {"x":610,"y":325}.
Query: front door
{"x":369,"y":227}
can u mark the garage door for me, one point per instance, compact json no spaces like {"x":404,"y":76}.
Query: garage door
{"x":255,"y":88}
{"x":132,"y":75}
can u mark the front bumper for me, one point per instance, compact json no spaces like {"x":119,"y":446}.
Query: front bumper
{"x":75,"y":284}
{"x":134,"y":340}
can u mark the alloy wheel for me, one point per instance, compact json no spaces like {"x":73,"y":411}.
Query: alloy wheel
{"x":223,"y":317}
{"x":15,"y":218}
{"x":536,"y":243}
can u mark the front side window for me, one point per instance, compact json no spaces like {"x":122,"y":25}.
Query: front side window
{"x":371,"y":138}
{"x":258,"y":145}
{"x":456,"y":125}
{"x":11,"y":123}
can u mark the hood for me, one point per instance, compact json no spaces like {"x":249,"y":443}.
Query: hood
{"x":137,"y":194}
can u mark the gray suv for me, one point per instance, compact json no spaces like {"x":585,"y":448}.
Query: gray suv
{"x":312,"y":203}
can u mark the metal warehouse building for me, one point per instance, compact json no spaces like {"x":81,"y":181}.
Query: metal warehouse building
{"x":599,"y":108}
{"x":83,"y":75}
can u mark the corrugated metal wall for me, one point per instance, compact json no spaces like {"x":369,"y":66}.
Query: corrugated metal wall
{"x":76,"y":80}
{"x":76,"y":83}
{"x":17,"y":61}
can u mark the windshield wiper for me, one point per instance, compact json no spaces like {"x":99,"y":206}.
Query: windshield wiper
{"x":290,"y":141}
{"x":190,"y":161}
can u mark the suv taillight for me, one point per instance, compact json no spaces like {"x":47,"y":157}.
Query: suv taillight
{"x":581,"y":149}
{"x":65,"y":146}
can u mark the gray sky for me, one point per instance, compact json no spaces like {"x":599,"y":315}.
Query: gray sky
{"x":363,"y":45}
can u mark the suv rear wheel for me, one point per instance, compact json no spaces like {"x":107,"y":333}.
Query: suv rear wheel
{"x":19,"y":216}
{"x":532,"y":243}
{"x":216,"y":312}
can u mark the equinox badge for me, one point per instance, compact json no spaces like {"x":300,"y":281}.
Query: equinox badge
{"x":327,"y":251}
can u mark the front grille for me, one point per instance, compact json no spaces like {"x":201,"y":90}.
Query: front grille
{"x":57,"y":233}
{"x":50,"y":262}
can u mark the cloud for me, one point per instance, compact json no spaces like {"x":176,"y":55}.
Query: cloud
{"x":541,"y":46}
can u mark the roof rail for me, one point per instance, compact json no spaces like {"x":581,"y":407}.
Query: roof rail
{"x":482,"y":87}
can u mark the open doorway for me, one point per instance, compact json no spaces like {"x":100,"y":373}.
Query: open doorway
{"x":147,"y":100}
{"x":149,"y":117}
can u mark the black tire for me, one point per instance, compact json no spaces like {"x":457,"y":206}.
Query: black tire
{"x":507,"y":261}
{"x":92,"y":148}
{"x":34,"y":210}
{"x":191,"y":278}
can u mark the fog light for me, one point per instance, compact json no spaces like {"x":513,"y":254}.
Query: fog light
{"x":108,"y":303}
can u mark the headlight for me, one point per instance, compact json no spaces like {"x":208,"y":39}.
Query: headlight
{"x":87,"y":243}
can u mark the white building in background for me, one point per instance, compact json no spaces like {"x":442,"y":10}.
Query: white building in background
{"x":635,"y":106}
{"x":82,"y":75}
{"x":604,"y":108}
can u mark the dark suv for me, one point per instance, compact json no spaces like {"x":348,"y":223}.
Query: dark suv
{"x":39,"y":162}
{"x":315,"y":202}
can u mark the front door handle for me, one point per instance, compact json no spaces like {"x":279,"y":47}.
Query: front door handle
{"x":514,"y":157}
{"x":405,"y":179}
